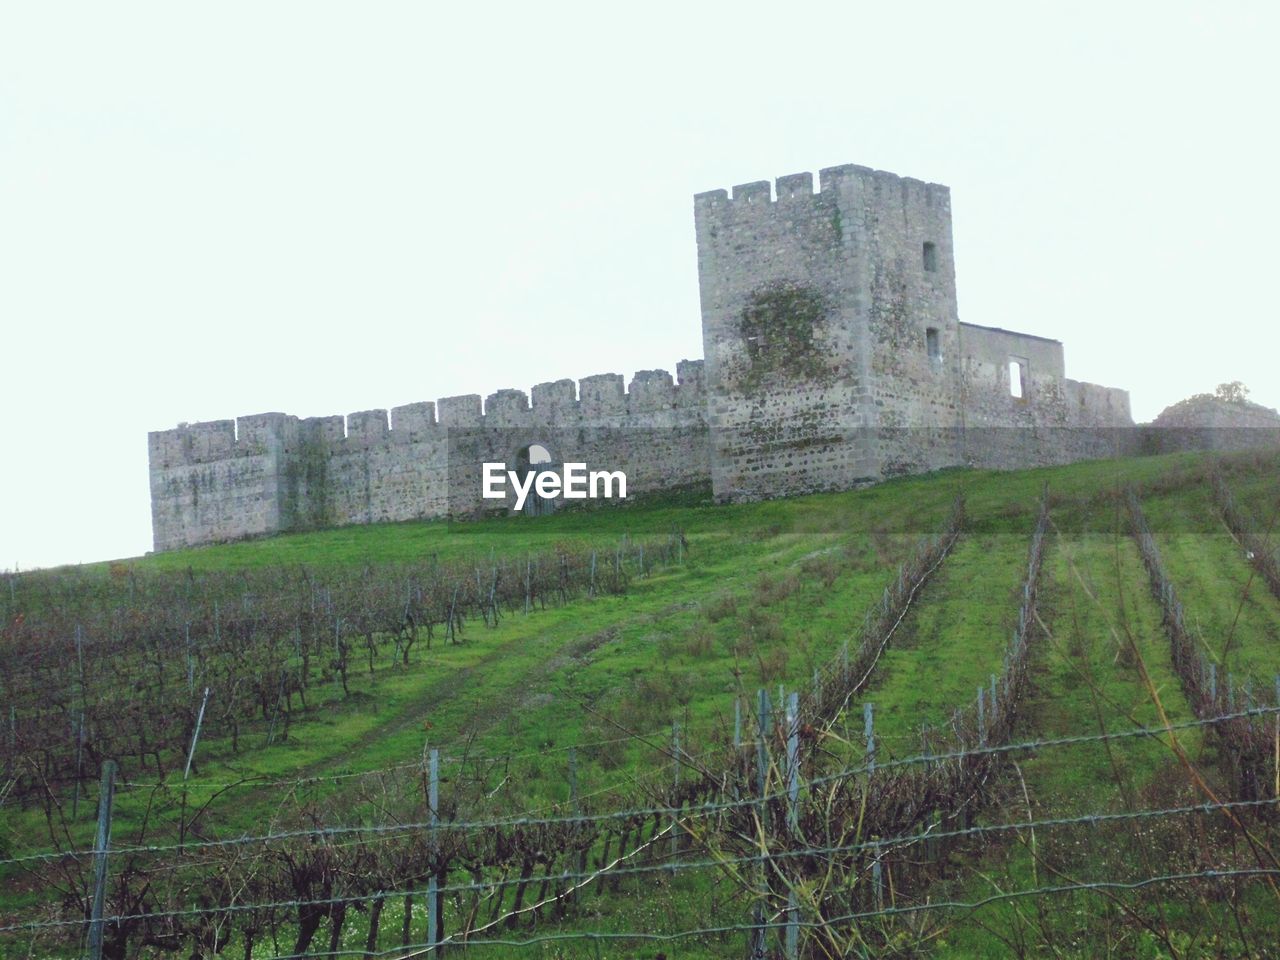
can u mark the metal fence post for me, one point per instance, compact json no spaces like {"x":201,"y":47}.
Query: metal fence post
{"x":433,"y":804}
{"x":791,"y":945}
{"x":758,"y":948}
{"x":77,"y":731}
{"x":868,"y":730}
{"x":982,"y":717}
{"x":13,"y":742}
{"x":573,"y":780}
{"x":675,"y":796}
{"x":877,"y":877}
{"x":793,"y":761}
{"x":101,"y":843}
{"x":577,"y":811}
{"x":195,"y":736}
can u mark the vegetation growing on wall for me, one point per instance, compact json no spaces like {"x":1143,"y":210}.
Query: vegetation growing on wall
{"x":780,"y":325}
{"x":1233,"y":392}
{"x":306,"y":504}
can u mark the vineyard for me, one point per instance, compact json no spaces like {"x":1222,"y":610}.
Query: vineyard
{"x":968,"y":714}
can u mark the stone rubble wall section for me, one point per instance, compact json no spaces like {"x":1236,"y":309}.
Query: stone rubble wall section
{"x":229,"y":479}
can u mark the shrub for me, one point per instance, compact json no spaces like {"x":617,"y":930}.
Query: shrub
{"x":771,"y":589}
{"x":721,"y":607}
{"x":701,"y":641}
{"x":825,"y":568}
{"x":773,"y":664}
{"x":762,"y":626}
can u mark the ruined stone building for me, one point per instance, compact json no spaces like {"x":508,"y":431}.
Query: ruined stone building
{"x":834,"y":356}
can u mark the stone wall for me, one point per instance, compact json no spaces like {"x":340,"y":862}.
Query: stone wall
{"x":1056,"y":420}
{"x":1208,"y":422}
{"x":269,"y":473}
{"x":207,"y":484}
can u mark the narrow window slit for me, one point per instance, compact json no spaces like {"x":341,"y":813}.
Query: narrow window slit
{"x":930,"y":257}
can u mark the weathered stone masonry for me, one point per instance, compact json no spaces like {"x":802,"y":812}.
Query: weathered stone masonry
{"x":834,"y":356}
{"x":874,"y":375}
{"x":272,"y":472}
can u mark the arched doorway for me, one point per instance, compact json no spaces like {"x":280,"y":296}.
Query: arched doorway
{"x":535,"y":459}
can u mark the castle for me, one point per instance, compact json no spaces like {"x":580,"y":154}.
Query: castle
{"x":834,"y":356}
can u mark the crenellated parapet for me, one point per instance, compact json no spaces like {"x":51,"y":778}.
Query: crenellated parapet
{"x":555,"y":401}
{"x":602,"y":395}
{"x":762,"y":198}
{"x":268,"y":472}
{"x":193,"y":443}
{"x":323,"y":430}
{"x":413,"y":422}
{"x":604,"y":398}
{"x":460,"y":411}
{"x":367,"y":427}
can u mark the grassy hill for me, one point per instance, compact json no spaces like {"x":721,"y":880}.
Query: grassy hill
{"x":611,"y":713}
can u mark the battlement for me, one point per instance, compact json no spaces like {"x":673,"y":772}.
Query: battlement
{"x":797,"y":187}
{"x":325,"y":430}
{"x":367,"y":427}
{"x":604,"y":397}
{"x":413,"y":421}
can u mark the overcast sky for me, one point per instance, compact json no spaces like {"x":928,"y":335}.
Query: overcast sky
{"x":222,"y":209}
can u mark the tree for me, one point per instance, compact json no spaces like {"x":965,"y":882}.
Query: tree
{"x":1233,"y":392}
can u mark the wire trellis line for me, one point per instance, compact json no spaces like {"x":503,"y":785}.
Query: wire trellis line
{"x":879,"y":845}
{"x":641,"y":812}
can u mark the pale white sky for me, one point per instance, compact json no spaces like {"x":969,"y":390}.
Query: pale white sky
{"x":221,"y":209}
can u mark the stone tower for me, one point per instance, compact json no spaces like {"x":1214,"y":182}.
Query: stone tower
{"x":830,"y":331}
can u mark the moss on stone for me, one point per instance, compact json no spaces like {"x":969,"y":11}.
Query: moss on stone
{"x":781,"y":324}
{"x":305,"y":504}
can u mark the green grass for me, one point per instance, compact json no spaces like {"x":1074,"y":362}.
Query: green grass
{"x":1224,"y":597}
{"x":1103,"y":667}
{"x":767,"y":593}
{"x":953,"y":641}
